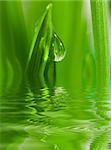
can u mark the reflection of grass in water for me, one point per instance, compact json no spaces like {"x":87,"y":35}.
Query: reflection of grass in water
{"x":50,"y":119}
{"x":101,"y":140}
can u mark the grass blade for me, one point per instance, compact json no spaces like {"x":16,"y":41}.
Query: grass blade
{"x":40,"y":47}
{"x":100,"y":33}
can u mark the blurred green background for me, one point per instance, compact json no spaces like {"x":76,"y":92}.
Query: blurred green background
{"x":71,"y":20}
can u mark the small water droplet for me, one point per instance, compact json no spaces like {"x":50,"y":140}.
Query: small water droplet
{"x":57,"y":48}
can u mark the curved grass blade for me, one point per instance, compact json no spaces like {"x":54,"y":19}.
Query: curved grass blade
{"x":11,"y":68}
{"x":40,"y":47}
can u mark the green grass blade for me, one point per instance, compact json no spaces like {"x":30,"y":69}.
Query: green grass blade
{"x":40,"y":47}
{"x":100,"y":33}
{"x":12,"y":44}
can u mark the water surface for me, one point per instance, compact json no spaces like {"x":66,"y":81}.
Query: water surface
{"x":55,"y":119}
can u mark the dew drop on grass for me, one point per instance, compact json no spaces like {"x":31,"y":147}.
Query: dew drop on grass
{"x":58,"y":48}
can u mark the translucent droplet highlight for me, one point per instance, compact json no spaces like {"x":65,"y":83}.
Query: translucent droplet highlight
{"x":58,"y":48}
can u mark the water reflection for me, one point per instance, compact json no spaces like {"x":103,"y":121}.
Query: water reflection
{"x":43,"y":119}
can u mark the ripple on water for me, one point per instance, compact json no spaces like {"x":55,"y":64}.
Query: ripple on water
{"x":54,"y":119}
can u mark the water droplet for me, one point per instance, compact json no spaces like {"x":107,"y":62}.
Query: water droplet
{"x":58,"y":48}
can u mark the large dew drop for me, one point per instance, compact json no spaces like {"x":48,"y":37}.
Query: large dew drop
{"x":58,"y":48}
